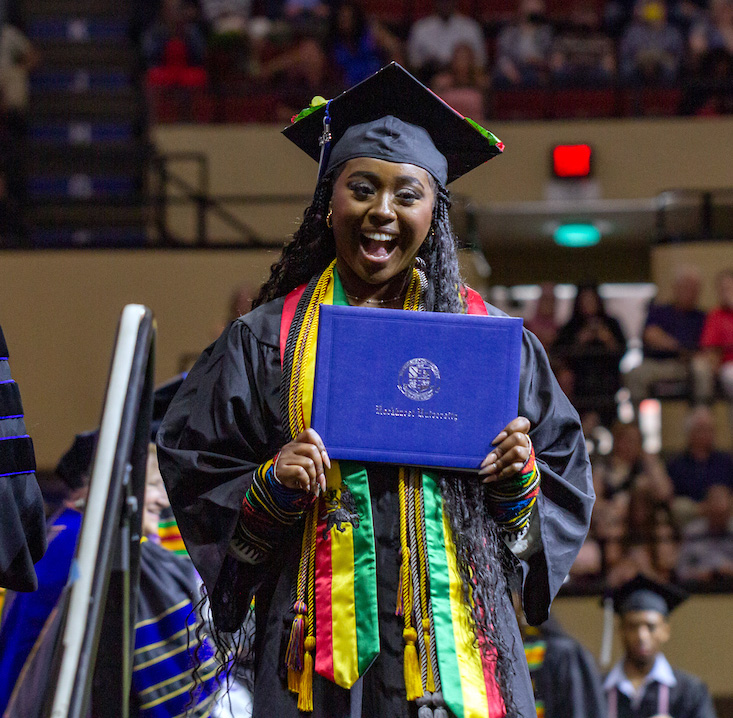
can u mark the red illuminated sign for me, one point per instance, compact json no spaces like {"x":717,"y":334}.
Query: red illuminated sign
{"x":571,"y":160}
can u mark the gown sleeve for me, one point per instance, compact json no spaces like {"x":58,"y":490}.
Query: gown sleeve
{"x":22,"y":516}
{"x":222,"y":424}
{"x":564,"y":504}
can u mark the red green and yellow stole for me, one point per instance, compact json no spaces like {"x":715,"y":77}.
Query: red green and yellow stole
{"x":336,"y":628}
{"x":535,"y":649}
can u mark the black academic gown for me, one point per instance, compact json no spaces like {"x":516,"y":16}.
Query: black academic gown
{"x":225,"y":421}
{"x":688,"y":699}
{"x":22,"y":518}
{"x":568,"y":682}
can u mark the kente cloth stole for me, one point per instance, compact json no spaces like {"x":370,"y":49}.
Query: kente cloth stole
{"x":336,"y":626}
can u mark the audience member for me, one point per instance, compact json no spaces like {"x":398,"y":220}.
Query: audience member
{"x":671,"y":337}
{"x":700,"y":466}
{"x":300,"y":74}
{"x":581,"y":54}
{"x":360,"y":46}
{"x":18,"y":58}
{"x":433,"y":39}
{"x":651,"y":49}
{"x":226,"y":16}
{"x":543,"y":323}
{"x":174,"y":47}
{"x":523,"y":47}
{"x":706,"y":553}
{"x":717,"y":340}
{"x":713,"y":31}
{"x":463,"y":84}
{"x":633,"y":495}
{"x":305,"y":10}
{"x":629,"y":467}
{"x":592,"y":344}
{"x":709,"y":93}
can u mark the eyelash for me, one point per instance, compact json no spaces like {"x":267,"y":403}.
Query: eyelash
{"x":363,"y":190}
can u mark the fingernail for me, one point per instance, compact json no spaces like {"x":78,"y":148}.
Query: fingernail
{"x":326,"y":460}
{"x":491,"y":458}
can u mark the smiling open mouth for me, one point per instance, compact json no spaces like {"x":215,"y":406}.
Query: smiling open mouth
{"x":378,"y":245}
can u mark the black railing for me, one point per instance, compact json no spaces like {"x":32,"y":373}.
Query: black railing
{"x":169,"y":189}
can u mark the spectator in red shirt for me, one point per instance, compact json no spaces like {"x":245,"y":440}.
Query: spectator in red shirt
{"x":717,"y":337}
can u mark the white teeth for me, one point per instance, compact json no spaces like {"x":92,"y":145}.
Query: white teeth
{"x":379,"y":236}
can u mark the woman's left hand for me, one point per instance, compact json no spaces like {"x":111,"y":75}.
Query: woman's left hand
{"x":510,"y":452}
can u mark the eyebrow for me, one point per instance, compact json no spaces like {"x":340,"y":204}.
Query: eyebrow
{"x":405,"y":179}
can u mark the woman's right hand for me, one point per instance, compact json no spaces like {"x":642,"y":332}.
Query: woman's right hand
{"x":300,"y":463}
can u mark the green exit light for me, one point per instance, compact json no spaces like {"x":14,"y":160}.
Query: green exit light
{"x":577,"y":235}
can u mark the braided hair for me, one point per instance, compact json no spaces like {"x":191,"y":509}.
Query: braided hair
{"x":482,"y":557}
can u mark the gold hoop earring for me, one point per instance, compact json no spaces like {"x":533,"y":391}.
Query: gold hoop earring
{"x":329,"y":222}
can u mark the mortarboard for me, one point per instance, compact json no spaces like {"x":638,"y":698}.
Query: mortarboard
{"x":393,"y":116}
{"x":73,"y":468}
{"x":644,"y":594}
{"x":75,"y":464}
{"x":162,"y":397}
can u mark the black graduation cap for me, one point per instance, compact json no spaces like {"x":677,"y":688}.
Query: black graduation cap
{"x":74,"y":466}
{"x":644,"y":594}
{"x":386,"y":116}
{"x":162,"y":398}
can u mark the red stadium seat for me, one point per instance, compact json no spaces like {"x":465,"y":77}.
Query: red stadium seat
{"x":164,"y":105}
{"x":651,"y":101}
{"x":203,"y":107}
{"x":571,"y":103}
{"x":526,"y":104}
{"x":390,"y":12}
{"x":251,"y":108}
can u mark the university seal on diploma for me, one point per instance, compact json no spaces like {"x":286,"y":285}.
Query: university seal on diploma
{"x":419,"y":379}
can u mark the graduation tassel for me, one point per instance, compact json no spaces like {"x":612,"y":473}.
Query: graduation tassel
{"x":413,"y":678}
{"x":294,"y":653}
{"x":607,"y":636}
{"x":305,"y":697}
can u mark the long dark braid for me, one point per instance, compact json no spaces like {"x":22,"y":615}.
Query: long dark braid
{"x":480,"y":552}
{"x":310,"y":252}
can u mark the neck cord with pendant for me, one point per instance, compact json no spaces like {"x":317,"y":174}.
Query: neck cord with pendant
{"x":403,"y":290}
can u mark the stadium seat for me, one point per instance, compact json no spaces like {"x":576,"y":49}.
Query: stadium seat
{"x":525,"y":104}
{"x":571,"y":103}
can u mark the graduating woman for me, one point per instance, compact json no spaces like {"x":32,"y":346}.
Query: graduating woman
{"x":379,"y":589}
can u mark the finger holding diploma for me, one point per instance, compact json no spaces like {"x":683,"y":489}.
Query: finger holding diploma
{"x":300,"y":463}
{"x":510,"y":453}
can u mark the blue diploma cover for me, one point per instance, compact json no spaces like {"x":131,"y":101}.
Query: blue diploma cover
{"x":418,"y":388}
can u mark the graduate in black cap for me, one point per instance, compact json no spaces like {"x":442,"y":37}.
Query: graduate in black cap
{"x":643,"y":684}
{"x":354,"y":617}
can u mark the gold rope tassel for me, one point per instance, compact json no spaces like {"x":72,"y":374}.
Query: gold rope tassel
{"x":413,"y":676}
{"x":305,"y":697}
{"x":301,"y":632}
